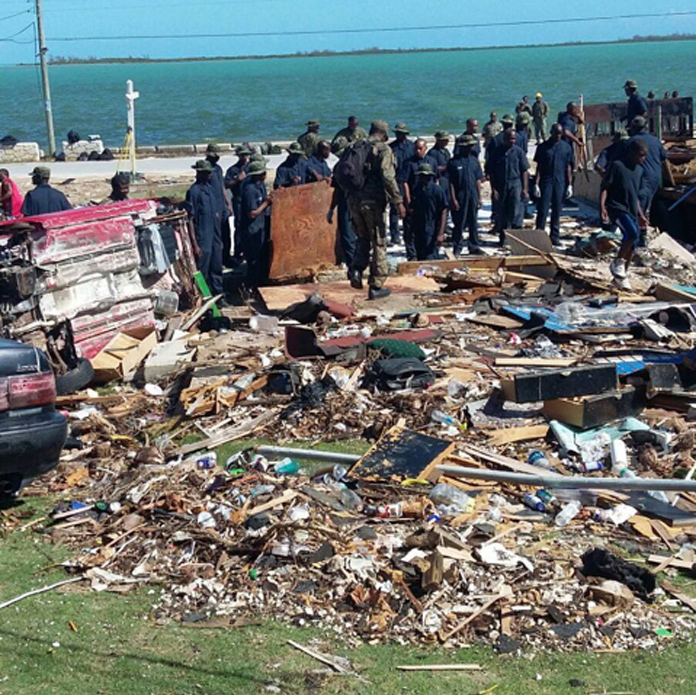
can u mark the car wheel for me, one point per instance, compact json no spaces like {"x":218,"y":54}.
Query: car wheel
{"x":75,"y":379}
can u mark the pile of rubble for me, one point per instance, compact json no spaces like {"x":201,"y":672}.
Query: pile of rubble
{"x":527,"y":371}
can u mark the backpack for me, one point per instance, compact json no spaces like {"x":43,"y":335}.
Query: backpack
{"x":399,"y":373}
{"x":351,"y":170}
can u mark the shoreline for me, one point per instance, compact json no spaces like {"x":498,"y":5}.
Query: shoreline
{"x":68,"y":61}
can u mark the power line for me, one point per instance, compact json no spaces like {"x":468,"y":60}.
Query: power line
{"x":9,"y":39}
{"x":118,"y":8}
{"x":383,"y":30}
{"x":16,"y":14}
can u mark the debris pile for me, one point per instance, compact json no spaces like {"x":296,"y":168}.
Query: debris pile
{"x":490,"y":389}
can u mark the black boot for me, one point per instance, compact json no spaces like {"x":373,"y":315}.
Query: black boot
{"x":355,"y":277}
{"x":378,"y":293}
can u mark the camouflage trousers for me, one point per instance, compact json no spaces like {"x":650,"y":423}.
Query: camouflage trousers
{"x":369,"y":225}
{"x":540,"y":130}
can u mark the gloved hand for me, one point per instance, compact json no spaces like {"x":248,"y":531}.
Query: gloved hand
{"x":569,"y":192}
{"x":537,"y":191}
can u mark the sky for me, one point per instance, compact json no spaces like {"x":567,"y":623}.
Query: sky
{"x":78,"y":20}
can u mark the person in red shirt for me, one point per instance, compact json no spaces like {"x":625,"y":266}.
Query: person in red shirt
{"x":11,"y":199}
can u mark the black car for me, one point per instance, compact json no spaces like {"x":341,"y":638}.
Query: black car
{"x":32,"y":432}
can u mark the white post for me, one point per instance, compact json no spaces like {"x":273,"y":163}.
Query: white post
{"x":131,"y":96}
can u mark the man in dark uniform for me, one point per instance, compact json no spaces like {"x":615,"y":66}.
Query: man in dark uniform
{"x":310,"y":138}
{"x":497,"y":143}
{"x":339,"y":202}
{"x":403,"y":150}
{"x":569,"y":119}
{"x":217,"y":181}
{"x":351,"y":133}
{"x":472,"y":129}
{"x":619,"y":203}
{"x":555,"y":160}
{"x":522,"y":127}
{"x":610,"y":153}
{"x":637,"y":106}
{"x":204,"y":214}
{"x":44,"y":198}
{"x":441,"y":155}
{"x":409,"y":175}
{"x":293,"y":171}
{"x":317,"y":167}
{"x":510,"y":183}
{"x":464,"y":173}
{"x":655,"y":167}
{"x":255,"y":214}
{"x":429,"y":215}
{"x":234,"y":178}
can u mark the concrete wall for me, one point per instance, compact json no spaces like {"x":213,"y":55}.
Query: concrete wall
{"x":21,"y":152}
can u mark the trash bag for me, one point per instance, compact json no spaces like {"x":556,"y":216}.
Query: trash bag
{"x":392,"y":347}
{"x":307,"y":311}
{"x":93,"y":156}
{"x":73,"y":137}
{"x":399,"y":373}
{"x":8,"y":141}
{"x":601,"y":563}
{"x":106,"y":156}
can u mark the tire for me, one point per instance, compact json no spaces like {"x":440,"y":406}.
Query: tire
{"x":75,"y":379}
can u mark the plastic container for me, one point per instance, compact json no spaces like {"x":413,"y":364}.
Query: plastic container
{"x":568,"y":513}
{"x":538,"y":458}
{"x":449,"y":496}
{"x":619,"y":457}
{"x":166,"y":303}
{"x":533,"y":502}
{"x":264,"y":324}
{"x":546,"y":497}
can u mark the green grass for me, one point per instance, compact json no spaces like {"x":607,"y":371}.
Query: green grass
{"x":118,"y":649}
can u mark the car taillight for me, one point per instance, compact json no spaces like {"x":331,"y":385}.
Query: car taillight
{"x":4,"y":395}
{"x":31,"y":390}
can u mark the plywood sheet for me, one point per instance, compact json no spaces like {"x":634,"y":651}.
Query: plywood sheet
{"x":302,"y":241}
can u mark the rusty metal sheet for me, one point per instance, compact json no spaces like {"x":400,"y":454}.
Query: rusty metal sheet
{"x":672,"y":118}
{"x":302,"y":241}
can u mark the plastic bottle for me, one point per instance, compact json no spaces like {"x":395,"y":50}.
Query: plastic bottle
{"x":546,"y":497}
{"x":533,"y":502}
{"x":287,"y":467}
{"x":166,"y":303}
{"x":567,"y":514}
{"x":449,"y":496}
{"x":443,"y":418}
{"x":385,"y":511}
{"x":617,"y":515}
{"x":619,"y":466}
{"x":538,"y":458}
{"x":351,"y":500}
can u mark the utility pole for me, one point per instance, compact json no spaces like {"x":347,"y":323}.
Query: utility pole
{"x":131,"y":96}
{"x":44,"y":81}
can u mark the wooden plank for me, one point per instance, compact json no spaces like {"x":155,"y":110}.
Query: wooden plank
{"x":679,"y":595}
{"x":457,"y":629}
{"x":672,"y":562}
{"x":535,"y":362}
{"x":518,"y":434}
{"x":303,"y":241}
{"x":504,"y":462}
{"x":287,"y":496}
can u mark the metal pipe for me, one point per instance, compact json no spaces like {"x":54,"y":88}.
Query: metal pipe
{"x":310,"y":454}
{"x":570,"y":482}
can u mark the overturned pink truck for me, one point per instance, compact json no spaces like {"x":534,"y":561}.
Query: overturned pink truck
{"x":71,"y":281}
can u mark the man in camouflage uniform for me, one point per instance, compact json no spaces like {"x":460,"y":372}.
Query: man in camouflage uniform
{"x":367,"y":207}
{"x":540,"y":112}
{"x":350,"y":134}
{"x":310,"y":139}
{"x":491,"y":129}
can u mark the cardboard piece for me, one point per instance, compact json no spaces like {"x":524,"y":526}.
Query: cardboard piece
{"x":166,"y":358}
{"x":402,"y":454}
{"x":531,"y":387}
{"x":121,"y":356}
{"x":593,"y":411}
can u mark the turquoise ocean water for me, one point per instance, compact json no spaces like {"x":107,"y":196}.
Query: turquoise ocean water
{"x":273,"y":98}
